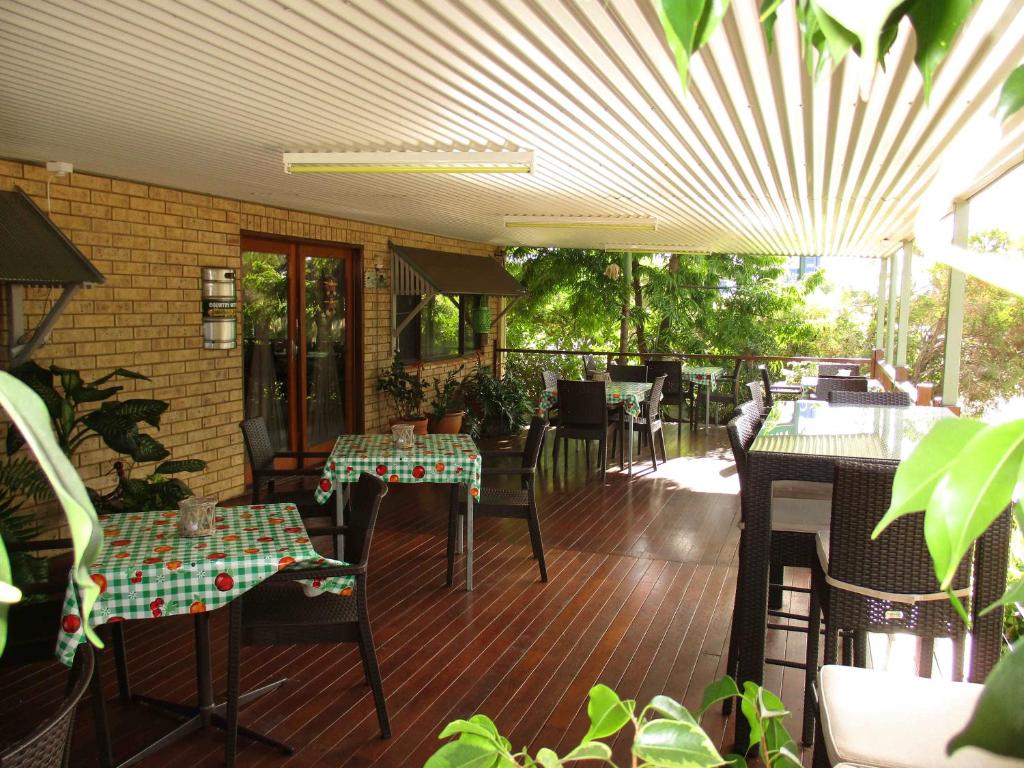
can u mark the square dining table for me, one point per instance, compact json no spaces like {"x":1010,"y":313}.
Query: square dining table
{"x":147,"y":570}
{"x":803,"y":440}
{"x":704,"y":376}
{"x":630,"y":395}
{"x":449,"y":459}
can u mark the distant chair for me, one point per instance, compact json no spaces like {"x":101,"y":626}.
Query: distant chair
{"x":838,"y":369}
{"x":517,"y":503}
{"x":589,"y":367}
{"x":776,"y":389}
{"x":757,"y":395}
{"x":894,"y":399}
{"x":648,"y":424}
{"x":550,"y":379}
{"x":277,"y":612}
{"x":583,"y":415}
{"x":676,"y":391}
{"x":828,"y":384}
{"x":633,"y":373}
{"x":727,"y":389}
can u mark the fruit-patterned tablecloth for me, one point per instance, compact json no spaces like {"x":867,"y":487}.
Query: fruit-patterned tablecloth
{"x":629,"y":394}
{"x":432,"y":459}
{"x":702,"y":374}
{"x":149,"y":570}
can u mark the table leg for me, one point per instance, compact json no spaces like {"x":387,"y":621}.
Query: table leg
{"x":341,"y":501}
{"x":469,"y":541}
{"x":707,"y":406}
{"x":628,"y":437}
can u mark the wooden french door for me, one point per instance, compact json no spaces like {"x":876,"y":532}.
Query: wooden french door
{"x":299,"y":330}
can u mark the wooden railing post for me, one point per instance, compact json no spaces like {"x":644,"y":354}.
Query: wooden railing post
{"x":925,"y":393}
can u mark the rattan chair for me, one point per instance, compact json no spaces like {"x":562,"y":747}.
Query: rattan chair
{"x":757,"y":397}
{"x":589,"y":367}
{"x":49,"y":744}
{"x":516,"y":503}
{"x":776,"y":389}
{"x":277,"y":612}
{"x":896,"y":399}
{"x":649,"y":424}
{"x":838,"y":369}
{"x":799,"y":511}
{"x":634,"y":373}
{"x":827,"y":384}
{"x":549,"y":379}
{"x":583,"y":415}
{"x":859,"y":584}
{"x":676,"y":391}
{"x":727,"y":389}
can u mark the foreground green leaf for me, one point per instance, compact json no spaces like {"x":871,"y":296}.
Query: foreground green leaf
{"x":919,"y":474}
{"x":720,"y":690}
{"x":8,"y":593}
{"x":972,"y":494}
{"x":29,"y":413}
{"x":1011,"y":97}
{"x":608,"y":713}
{"x":548,"y":758}
{"x":688,"y":25}
{"x":935,"y":26}
{"x":591,"y":750}
{"x":675,"y":744}
{"x":670,"y":708}
{"x":458,"y":754}
{"x":997,"y":724}
{"x":864,"y":20}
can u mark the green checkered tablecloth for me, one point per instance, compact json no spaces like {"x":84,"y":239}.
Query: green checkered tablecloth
{"x":432,"y":459}
{"x":702,"y":374}
{"x":148,"y":570}
{"x":629,"y":394}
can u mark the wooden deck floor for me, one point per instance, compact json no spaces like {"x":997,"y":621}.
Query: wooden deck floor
{"x":639,"y":598}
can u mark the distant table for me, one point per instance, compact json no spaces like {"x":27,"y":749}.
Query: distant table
{"x":628,"y":394}
{"x":449,"y":459}
{"x":147,"y":570}
{"x":705,"y":376}
{"x":803,"y":440}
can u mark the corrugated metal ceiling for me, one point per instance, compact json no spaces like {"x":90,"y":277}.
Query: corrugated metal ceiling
{"x":205,"y":95}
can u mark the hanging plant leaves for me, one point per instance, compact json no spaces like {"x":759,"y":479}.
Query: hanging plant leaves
{"x":688,"y":25}
{"x":181,"y":465}
{"x":123,"y":372}
{"x":119,"y":432}
{"x":995,"y":725}
{"x":936,"y":23}
{"x":768,"y":15}
{"x":90,"y":394}
{"x":149,"y":449}
{"x":138,"y":410}
{"x":1011,"y":98}
{"x":40,"y":381}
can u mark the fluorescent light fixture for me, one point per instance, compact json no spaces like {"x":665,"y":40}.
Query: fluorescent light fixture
{"x":486,"y":161}
{"x":634,"y":223}
{"x":641,"y":248}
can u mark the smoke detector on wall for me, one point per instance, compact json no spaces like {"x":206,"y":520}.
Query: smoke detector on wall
{"x":60,"y":167}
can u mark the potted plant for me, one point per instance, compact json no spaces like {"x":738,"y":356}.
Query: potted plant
{"x":404,"y":393}
{"x":500,"y":405}
{"x":446,"y":417}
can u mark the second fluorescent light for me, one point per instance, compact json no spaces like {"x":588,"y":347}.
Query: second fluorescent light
{"x":499,"y":161}
{"x":635,"y":223}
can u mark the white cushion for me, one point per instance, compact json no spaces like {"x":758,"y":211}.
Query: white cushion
{"x":800,"y":515}
{"x":802,"y":489}
{"x":884,"y":720}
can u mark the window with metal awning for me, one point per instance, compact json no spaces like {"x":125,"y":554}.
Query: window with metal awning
{"x":33,"y":251}
{"x":423,"y":273}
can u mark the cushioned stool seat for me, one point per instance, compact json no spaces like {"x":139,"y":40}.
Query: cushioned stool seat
{"x":883,"y":720}
{"x":801,"y":507}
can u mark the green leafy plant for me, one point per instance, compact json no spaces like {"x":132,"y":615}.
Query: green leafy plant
{"x":117,"y":424}
{"x":963,"y":474}
{"x":31,"y":416}
{"x":403,"y":391}
{"x":499,"y":405}
{"x":21,"y":480}
{"x":665,"y":734}
{"x":446,"y":394}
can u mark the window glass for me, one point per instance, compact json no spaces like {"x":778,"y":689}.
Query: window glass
{"x":444,"y":328}
{"x":439,"y":335}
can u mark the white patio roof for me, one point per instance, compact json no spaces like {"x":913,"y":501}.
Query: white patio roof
{"x":206,"y":95}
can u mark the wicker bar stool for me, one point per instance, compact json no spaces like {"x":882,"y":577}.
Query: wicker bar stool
{"x":828,"y":384}
{"x":881,"y":399}
{"x":277,"y":612}
{"x":778,"y":388}
{"x":583,"y":415}
{"x":882,"y":585}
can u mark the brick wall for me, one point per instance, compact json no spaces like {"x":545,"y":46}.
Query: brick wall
{"x":151,"y":242}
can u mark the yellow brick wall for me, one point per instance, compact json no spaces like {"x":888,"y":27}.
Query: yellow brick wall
{"x":151,"y":243}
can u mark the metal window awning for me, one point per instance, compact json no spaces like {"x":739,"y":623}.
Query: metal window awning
{"x":426,"y":273}
{"x":33,"y":251}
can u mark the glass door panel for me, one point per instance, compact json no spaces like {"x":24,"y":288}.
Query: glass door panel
{"x":266,"y":343}
{"x":326,"y":346}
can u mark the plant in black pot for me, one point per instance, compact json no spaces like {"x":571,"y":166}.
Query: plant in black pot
{"x":498,"y":405}
{"x":445,"y":413}
{"x":116,"y":423}
{"x":405,"y":394}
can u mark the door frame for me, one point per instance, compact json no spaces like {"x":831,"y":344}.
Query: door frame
{"x":251,"y":238}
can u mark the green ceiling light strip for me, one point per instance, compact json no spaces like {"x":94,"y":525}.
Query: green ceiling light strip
{"x":469,"y":161}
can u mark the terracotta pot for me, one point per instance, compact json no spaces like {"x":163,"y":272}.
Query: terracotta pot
{"x":420,"y":425}
{"x":449,"y":424}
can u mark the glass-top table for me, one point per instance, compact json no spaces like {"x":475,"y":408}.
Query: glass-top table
{"x":813,"y":428}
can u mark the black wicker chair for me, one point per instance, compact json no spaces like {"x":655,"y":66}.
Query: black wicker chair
{"x":838,"y":369}
{"x":277,"y":613}
{"x":676,"y":391}
{"x":649,"y":424}
{"x":757,"y":397}
{"x":895,"y":399}
{"x":634,"y":373}
{"x":858,"y":583}
{"x":583,"y":415}
{"x":827,"y":384}
{"x":589,"y":367}
{"x":727,"y":389}
{"x":49,"y":745}
{"x":516,"y":503}
{"x":776,"y":389}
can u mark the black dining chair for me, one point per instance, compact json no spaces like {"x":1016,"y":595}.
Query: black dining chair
{"x":895,"y":399}
{"x":649,"y":425}
{"x":628,"y":373}
{"x":838,"y":369}
{"x":727,"y":390}
{"x":827,"y":384}
{"x":589,"y":367}
{"x":676,"y":391}
{"x":776,"y":389}
{"x":583,"y":415}
{"x":277,"y":612}
{"x":514,"y":503}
